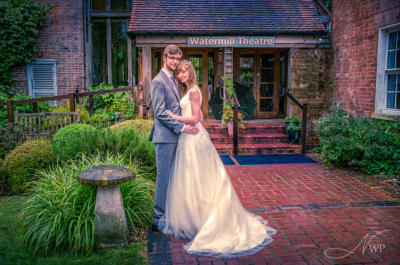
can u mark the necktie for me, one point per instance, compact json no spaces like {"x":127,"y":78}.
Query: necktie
{"x":174,"y":84}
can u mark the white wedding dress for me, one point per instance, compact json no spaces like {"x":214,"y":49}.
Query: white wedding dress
{"x":202,"y":204}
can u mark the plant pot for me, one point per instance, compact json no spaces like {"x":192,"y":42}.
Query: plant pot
{"x":294,"y":136}
{"x":230,"y":128}
{"x":286,"y":126}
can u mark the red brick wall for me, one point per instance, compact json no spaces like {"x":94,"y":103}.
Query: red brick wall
{"x":62,"y":39}
{"x":311,"y":80}
{"x":355,"y":31}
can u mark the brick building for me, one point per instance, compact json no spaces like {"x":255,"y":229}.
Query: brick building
{"x":366,"y":43}
{"x":350,"y":56}
{"x":83,"y":43}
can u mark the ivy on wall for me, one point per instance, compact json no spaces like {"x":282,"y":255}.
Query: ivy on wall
{"x":20,"y":21}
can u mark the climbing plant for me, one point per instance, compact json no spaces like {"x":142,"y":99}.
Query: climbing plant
{"x":20,"y":21}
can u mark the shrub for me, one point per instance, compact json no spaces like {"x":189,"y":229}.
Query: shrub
{"x":142,"y":127}
{"x":10,"y":137}
{"x":116,"y":105}
{"x":100,"y":120}
{"x":72,"y":139}
{"x":24,"y":161}
{"x":130,"y":145}
{"x":60,"y":214}
{"x":373,"y":146}
{"x":85,"y":117}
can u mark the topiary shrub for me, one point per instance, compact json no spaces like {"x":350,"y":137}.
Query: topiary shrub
{"x":130,"y":145}
{"x":73,"y":139}
{"x":100,"y":120}
{"x":60,"y":213}
{"x":142,"y":127}
{"x":22,"y":164}
{"x":10,"y":137}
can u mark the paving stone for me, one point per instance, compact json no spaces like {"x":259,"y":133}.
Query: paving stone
{"x":314,"y":208}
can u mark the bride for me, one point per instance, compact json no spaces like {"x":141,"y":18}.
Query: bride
{"x":201,"y":203}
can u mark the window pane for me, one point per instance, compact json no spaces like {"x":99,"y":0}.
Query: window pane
{"x":391,"y":59}
{"x":398,"y":101}
{"x":390,"y":100}
{"x":99,"y":5}
{"x":398,"y":59}
{"x":391,"y":83}
{"x":246,"y":76}
{"x":267,"y":60}
{"x":267,"y":90}
{"x":392,"y":40}
{"x":266,"y":105}
{"x":246,"y":61}
{"x":99,"y":52}
{"x":157,"y":62}
{"x":197,"y":61}
{"x":267,"y":75}
{"x":119,"y":52}
{"x":119,"y":5}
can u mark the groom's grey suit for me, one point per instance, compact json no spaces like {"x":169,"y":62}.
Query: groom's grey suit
{"x":164,"y":135}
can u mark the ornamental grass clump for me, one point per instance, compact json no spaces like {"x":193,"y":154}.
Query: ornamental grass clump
{"x":60,"y":213}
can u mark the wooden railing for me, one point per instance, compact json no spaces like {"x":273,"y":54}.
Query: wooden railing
{"x":72,"y":98}
{"x":303,"y":107}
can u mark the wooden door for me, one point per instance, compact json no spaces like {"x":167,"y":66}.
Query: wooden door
{"x":259,"y":70}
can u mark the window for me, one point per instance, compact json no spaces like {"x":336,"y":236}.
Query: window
{"x":42,"y":78}
{"x":113,"y":55}
{"x":388,"y":71}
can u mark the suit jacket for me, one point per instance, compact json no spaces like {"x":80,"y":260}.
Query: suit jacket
{"x":164,"y":96}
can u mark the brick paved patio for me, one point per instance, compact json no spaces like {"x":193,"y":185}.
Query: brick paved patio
{"x":314,"y":209}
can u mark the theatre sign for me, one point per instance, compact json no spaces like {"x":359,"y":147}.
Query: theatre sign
{"x":234,"y":41}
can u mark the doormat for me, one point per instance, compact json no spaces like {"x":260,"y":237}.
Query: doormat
{"x":227,"y":160}
{"x":273,"y":159}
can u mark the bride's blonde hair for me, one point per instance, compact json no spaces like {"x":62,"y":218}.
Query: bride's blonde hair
{"x":192,"y":81}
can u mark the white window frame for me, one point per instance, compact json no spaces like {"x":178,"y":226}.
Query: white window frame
{"x":30,"y":77}
{"x":382,"y":71}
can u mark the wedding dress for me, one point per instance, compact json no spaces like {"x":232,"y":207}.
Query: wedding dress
{"x":202,"y":204}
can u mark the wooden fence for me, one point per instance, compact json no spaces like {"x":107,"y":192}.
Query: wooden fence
{"x":45,"y":123}
{"x":137,"y":96}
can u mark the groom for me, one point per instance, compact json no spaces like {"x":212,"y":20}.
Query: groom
{"x":166,"y":130}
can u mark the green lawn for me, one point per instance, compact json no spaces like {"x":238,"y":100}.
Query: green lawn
{"x":12,"y":253}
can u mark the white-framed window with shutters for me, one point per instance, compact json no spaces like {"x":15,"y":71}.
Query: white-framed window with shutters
{"x":42,"y":78}
{"x":388,"y":71}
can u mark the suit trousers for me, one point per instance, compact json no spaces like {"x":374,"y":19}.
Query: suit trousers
{"x":165,"y":154}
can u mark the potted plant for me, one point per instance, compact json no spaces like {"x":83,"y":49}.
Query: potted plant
{"x":227,"y":119}
{"x":288,"y":120}
{"x":294,"y":132}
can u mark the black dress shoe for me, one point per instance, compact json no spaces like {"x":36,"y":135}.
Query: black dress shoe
{"x":155,"y":228}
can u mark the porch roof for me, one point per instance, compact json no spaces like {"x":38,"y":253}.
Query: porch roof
{"x":224,"y":17}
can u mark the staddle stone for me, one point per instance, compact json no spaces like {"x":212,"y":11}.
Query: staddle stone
{"x":111,"y":228}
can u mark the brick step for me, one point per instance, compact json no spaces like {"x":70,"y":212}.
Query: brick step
{"x":249,"y":128}
{"x":249,"y":138}
{"x":260,"y":149}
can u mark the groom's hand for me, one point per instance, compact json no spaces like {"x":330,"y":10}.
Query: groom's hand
{"x":191,"y":129}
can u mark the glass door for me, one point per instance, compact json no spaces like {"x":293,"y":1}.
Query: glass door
{"x":258,"y":72}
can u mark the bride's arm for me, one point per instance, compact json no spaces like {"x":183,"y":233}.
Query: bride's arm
{"x":197,"y":116}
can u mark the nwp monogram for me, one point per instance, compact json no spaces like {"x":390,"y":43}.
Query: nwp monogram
{"x":365,"y":243}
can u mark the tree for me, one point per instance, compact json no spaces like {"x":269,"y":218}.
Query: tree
{"x":20,"y":21}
